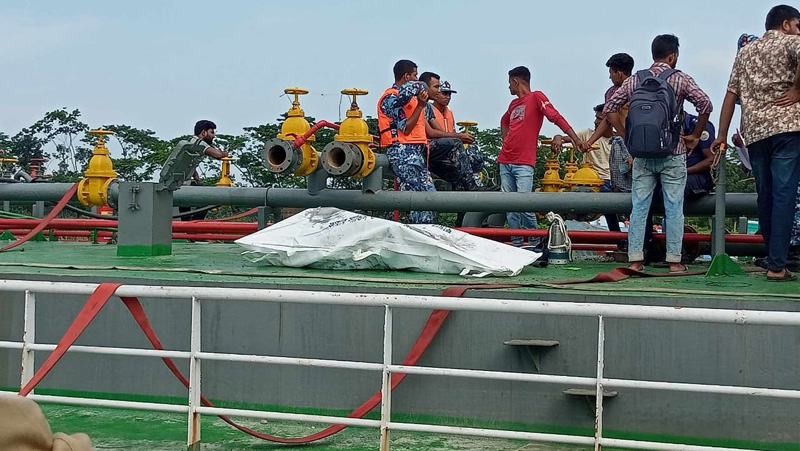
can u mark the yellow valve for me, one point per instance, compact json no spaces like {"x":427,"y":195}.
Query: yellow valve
{"x":354,"y":130}
{"x":93,"y":189}
{"x":296,"y":125}
{"x":225,"y":178}
{"x":551,"y":182}
{"x":467,"y":125}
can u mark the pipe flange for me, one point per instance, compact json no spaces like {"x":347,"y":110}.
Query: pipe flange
{"x":279,"y":156}
{"x":340,"y":159}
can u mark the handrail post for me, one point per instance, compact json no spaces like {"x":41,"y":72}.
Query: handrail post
{"x":598,"y":413}
{"x":194,"y":377}
{"x":28,"y":338}
{"x":386,"y":385}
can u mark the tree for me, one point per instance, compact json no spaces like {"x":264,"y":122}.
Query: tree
{"x":64,"y":130}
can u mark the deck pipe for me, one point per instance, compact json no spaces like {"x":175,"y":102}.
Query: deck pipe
{"x":737,"y":204}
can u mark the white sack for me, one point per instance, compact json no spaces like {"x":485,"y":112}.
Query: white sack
{"x":329,"y":238}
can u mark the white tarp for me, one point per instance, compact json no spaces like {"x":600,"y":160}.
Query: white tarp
{"x":329,"y":238}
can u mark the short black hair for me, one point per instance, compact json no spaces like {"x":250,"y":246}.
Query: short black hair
{"x":520,"y":72}
{"x":599,"y":108}
{"x":664,"y":45}
{"x":403,"y":67}
{"x":621,"y":62}
{"x":427,"y":76}
{"x":202,"y":126}
{"x":779,"y":14}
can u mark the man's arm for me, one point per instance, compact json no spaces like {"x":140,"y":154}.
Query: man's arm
{"x":616,"y":102}
{"x":434,"y":130}
{"x":792,"y":96}
{"x":601,"y":131}
{"x":705,"y":165}
{"x":702,"y":102}
{"x":393,"y":104}
{"x":215,"y":153}
{"x":725,"y":116}
{"x":422,"y":97}
{"x":504,"y":121}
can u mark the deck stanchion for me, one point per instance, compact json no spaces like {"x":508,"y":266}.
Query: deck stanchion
{"x":386,"y":385}
{"x":28,"y":338}
{"x":194,"y":378}
{"x":598,"y":411}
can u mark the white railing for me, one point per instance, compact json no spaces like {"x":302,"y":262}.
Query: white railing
{"x":387,"y":368}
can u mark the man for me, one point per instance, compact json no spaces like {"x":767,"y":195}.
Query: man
{"x":766,"y":79}
{"x":447,"y":158}
{"x":598,"y":157}
{"x":472,"y":155}
{"x":401,"y":123}
{"x":188,"y":153}
{"x":519,"y":128}
{"x":620,"y":67}
{"x":698,"y":179}
{"x":669,"y":170}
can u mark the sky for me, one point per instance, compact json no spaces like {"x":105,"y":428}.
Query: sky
{"x":162,"y":65}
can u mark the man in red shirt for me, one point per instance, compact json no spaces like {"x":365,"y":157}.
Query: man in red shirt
{"x":520,"y":128}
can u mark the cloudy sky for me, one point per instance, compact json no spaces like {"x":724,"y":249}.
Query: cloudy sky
{"x":163,"y":65}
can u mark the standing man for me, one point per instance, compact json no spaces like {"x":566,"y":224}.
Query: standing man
{"x":620,"y":67}
{"x":401,"y":124}
{"x":520,"y":128}
{"x":766,"y":79}
{"x":187,"y":154}
{"x":673,"y":88}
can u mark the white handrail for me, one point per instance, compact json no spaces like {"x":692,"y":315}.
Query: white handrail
{"x":388,"y":303}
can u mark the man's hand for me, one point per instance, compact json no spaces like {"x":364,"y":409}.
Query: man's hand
{"x":215,"y":153}
{"x":791,"y":97}
{"x":718,"y":143}
{"x":584,"y":146}
{"x":466,"y":138}
{"x":423,"y":98}
{"x":629,"y":160}
{"x":557,"y":145}
{"x":691,"y":142}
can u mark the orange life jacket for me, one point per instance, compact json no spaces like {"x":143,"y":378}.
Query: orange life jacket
{"x":390,"y":133}
{"x":445,"y":120}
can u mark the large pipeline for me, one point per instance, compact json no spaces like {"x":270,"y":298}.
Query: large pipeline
{"x":737,"y":204}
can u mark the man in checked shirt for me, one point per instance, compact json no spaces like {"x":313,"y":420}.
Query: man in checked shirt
{"x":671,"y":170}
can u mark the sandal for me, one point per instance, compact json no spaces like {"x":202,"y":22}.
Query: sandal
{"x":641,"y":268}
{"x":786,"y":277}
{"x":680,"y":271}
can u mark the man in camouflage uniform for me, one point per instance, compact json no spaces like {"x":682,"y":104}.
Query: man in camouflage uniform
{"x":401,"y":120}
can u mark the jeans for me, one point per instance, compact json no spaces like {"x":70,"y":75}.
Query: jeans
{"x":518,"y":178}
{"x":611,"y":219}
{"x":776,"y":162}
{"x":671,"y":172}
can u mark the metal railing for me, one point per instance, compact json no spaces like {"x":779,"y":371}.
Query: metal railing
{"x":387,"y":368}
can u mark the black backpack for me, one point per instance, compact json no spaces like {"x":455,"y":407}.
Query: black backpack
{"x":652,"y":129}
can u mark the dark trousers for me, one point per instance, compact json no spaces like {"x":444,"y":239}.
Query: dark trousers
{"x":776,"y":166}
{"x":449,"y":161}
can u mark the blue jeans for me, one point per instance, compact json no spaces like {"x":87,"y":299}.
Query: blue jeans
{"x":776,"y":166}
{"x":518,"y":178}
{"x":671,"y":172}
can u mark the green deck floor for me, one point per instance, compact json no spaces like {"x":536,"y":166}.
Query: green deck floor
{"x":215,"y":263}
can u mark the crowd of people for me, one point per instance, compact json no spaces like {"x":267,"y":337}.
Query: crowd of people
{"x":643,"y":142}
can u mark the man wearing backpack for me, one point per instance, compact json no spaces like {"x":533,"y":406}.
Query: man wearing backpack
{"x":652,"y":136}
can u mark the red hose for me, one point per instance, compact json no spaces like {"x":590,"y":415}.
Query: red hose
{"x":41,"y":225}
{"x":300,"y":140}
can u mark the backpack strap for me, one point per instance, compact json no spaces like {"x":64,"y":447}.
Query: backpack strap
{"x":667,"y":73}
